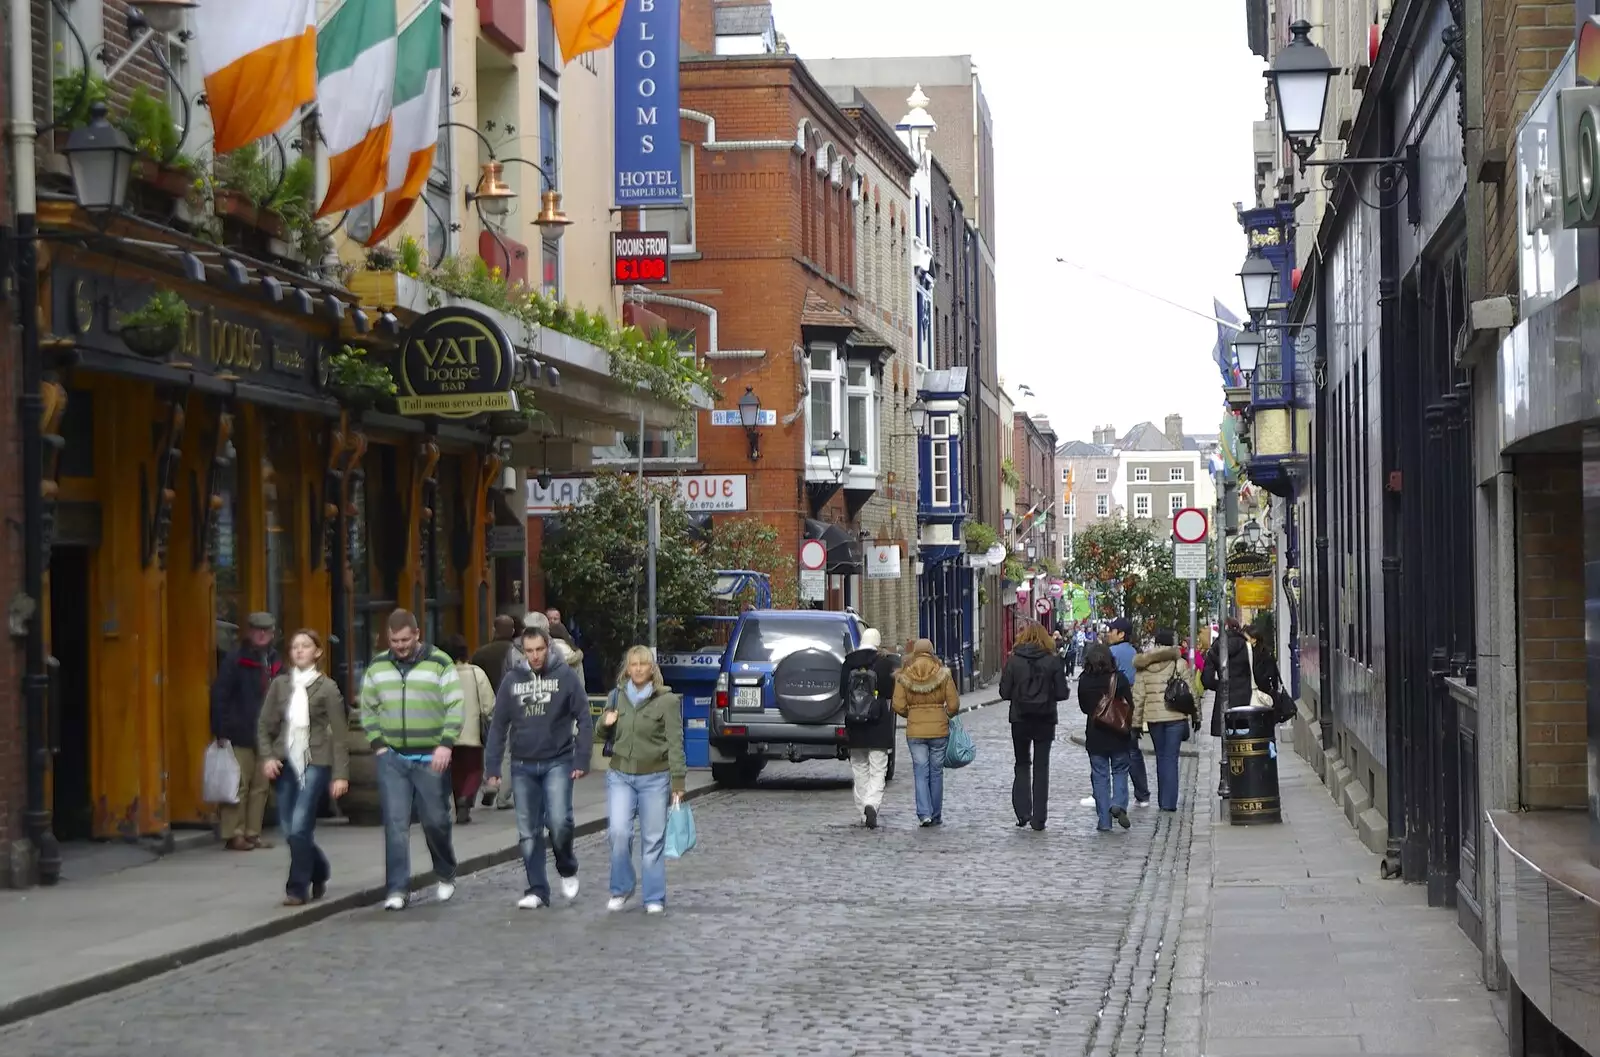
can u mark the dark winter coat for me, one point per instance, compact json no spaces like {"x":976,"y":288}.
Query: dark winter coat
{"x":542,"y":715}
{"x":1242,"y":682}
{"x":1091,"y":688}
{"x":879,"y":735}
{"x":493,"y":659}
{"x":1033,"y":681}
{"x":237,"y":692}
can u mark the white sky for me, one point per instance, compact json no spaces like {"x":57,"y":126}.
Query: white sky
{"x":1122,"y":140}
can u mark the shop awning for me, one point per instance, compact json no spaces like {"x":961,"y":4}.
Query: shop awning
{"x":846,"y":555}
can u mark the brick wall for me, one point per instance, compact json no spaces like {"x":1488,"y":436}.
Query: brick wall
{"x":1550,"y":601}
{"x":1522,"y":45}
{"x":58,"y":52}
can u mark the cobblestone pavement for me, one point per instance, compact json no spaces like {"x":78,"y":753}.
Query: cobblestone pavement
{"x":791,"y":929}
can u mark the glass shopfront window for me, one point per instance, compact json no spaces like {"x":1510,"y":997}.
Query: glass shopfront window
{"x":225,"y":554}
{"x":278,"y":463}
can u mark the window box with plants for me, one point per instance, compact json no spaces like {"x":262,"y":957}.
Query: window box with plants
{"x":155,"y":328}
{"x":357,"y":382}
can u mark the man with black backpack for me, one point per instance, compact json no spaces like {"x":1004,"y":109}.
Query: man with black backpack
{"x":866,"y":681}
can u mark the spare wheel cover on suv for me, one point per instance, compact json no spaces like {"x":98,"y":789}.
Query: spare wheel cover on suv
{"x":806,"y":686}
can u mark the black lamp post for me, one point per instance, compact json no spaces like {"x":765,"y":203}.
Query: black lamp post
{"x":101,"y":158}
{"x":1247,"y":351}
{"x":1009,"y":521}
{"x":837,"y":451}
{"x":1257,"y":277}
{"x":1299,"y":77}
{"x":919,"y":416}
{"x":750,"y":419}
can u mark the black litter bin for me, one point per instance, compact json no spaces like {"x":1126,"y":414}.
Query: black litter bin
{"x":1252,"y":766}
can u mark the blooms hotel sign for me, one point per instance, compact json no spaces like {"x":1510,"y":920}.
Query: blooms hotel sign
{"x":648,"y":169}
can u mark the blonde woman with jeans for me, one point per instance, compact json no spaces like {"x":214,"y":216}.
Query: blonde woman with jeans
{"x":643,"y":730}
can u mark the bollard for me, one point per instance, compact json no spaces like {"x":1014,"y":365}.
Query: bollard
{"x":1252,"y":756}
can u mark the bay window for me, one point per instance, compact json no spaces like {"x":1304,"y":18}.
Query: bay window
{"x":940,"y":474}
{"x":843,"y":400}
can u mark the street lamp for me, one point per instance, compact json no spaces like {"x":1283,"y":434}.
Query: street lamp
{"x":1299,"y":77}
{"x":1252,"y":533}
{"x":750,"y":418}
{"x":492,"y":194}
{"x":101,"y":158}
{"x":551,"y":220}
{"x":1247,"y":351}
{"x":164,"y":16}
{"x":919,"y":416}
{"x":836,"y":450}
{"x":1032,"y":550}
{"x":1257,"y":277}
{"x":1009,"y":521}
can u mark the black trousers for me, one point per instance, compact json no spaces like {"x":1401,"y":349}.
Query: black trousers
{"x":1030,"y":786}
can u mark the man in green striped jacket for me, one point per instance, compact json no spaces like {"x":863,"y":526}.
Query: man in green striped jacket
{"x":411,"y":713}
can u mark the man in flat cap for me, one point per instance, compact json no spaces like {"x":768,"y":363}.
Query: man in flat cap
{"x":236,"y":695}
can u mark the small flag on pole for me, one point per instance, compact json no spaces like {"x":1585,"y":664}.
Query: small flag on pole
{"x":418,"y":86}
{"x":260,"y":63}
{"x":355,"y":86}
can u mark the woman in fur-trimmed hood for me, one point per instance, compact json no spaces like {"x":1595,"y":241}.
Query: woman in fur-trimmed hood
{"x":925,"y":693}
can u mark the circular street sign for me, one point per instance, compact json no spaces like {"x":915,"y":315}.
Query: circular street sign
{"x":1042,"y":606}
{"x":1056,"y":591}
{"x":813,"y":555}
{"x":1189,"y":525}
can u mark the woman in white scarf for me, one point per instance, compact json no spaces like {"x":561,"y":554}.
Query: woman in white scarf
{"x":301,"y":739}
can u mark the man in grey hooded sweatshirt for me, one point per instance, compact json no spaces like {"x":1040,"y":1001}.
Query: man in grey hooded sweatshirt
{"x":542,"y":712}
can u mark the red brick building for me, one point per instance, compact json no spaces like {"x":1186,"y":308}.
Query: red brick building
{"x":763,"y":275}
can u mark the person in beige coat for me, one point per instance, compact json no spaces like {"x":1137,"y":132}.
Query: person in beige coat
{"x":1153,"y":671}
{"x":925,"y":693}
{"x":477,"y":707}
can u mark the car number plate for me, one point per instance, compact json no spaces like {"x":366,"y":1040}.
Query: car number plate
{"x":747,"y":697}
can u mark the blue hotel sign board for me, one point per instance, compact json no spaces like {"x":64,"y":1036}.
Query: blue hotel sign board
{"x":648,"y":157}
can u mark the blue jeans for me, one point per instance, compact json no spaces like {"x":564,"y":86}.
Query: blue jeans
{"x":1108,"y":776}
{"x":402,"y":784}
{"x":1136,"y":771}
{"x":646,"y":797}
{"x":927,"y":770}
{"x":543,"y":792}
{"x":1167,"y":736}
{"x":297,"y":817}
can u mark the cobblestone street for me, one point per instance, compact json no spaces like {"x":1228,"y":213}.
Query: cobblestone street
{"x":790,"y":930}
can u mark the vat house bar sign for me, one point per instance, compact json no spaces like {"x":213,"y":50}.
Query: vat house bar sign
{"x":648,"y":156}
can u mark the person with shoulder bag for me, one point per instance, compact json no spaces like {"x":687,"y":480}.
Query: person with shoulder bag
{"x":1267,"y":684}
{"x":1033,"y":680}
{"x":647,"y":776}
{"x":925,"y":693}
{"x":1106,"y":696}
{"x":1164,"y":704}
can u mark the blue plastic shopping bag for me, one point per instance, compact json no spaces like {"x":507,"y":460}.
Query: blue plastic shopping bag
{"x":960,"y":751}
{"x":680,"y":831}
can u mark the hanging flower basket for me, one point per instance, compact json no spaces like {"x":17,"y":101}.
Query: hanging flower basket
{"x":356,"y":397}
{"x":152,"y":341}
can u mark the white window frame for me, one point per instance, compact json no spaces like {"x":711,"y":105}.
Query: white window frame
{"x":686,"y":156}
{"x":1141,"y":474}
{"x":1102,"y":474}
{"x":1176,"y":474}
{"x":1176,"y":502}
{"x":1142,"y":506}
{"x":939,"y":448}
{"x":867,"y":393}
{"x":1066,"y":474}
{"x":1102,"y":505}
{"x":1070,"y":508}
{"x":831,"y":379}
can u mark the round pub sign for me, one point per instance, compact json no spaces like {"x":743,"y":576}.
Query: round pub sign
{"x":455,"y":363}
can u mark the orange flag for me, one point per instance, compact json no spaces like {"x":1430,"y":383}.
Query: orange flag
{"x":585,"y":25}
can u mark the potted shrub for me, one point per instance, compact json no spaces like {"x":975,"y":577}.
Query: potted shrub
{"x":357,"y":382}
{"x":155,"y":328}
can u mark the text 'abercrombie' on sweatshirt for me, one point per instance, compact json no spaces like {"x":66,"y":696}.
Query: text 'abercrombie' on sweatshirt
{"x":545,"y":714}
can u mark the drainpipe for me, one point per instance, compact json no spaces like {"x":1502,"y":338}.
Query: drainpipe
{"x":36,"y":678}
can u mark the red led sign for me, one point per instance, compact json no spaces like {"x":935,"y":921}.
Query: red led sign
{"x":640,"y":257}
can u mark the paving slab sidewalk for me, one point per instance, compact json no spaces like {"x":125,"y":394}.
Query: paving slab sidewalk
{"x":111,"y":929}
{"x":1291,"y":944}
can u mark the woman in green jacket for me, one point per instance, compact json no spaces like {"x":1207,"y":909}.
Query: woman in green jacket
{"x":643,"y":727}
{"x":300,"y":740}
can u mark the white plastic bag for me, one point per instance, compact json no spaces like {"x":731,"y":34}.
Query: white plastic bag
{"x":219,"y":783}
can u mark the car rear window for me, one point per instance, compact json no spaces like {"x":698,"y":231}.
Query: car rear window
{"x":768,"y":640}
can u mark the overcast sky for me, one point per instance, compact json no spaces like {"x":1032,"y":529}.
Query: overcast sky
{"x":1122,"y":140}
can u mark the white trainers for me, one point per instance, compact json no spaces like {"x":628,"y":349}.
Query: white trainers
{"x":569,"y":886}
{"x":616,"y":903}
{"x":1087,"y":801}
{"x":395,"y":903}
{"x":529,"y":902}
{"x":445,"y":890}
{"x":654,"y":908}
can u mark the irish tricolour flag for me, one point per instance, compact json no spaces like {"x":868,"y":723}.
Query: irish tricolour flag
{"x":355,"y":88}
{"x":418,"y":82}
{"x":260,"y":63}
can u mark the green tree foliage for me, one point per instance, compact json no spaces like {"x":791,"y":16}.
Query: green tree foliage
{"x":750,"y":543}
{"x":1131,"y":569}
{"x":594,"y":568}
